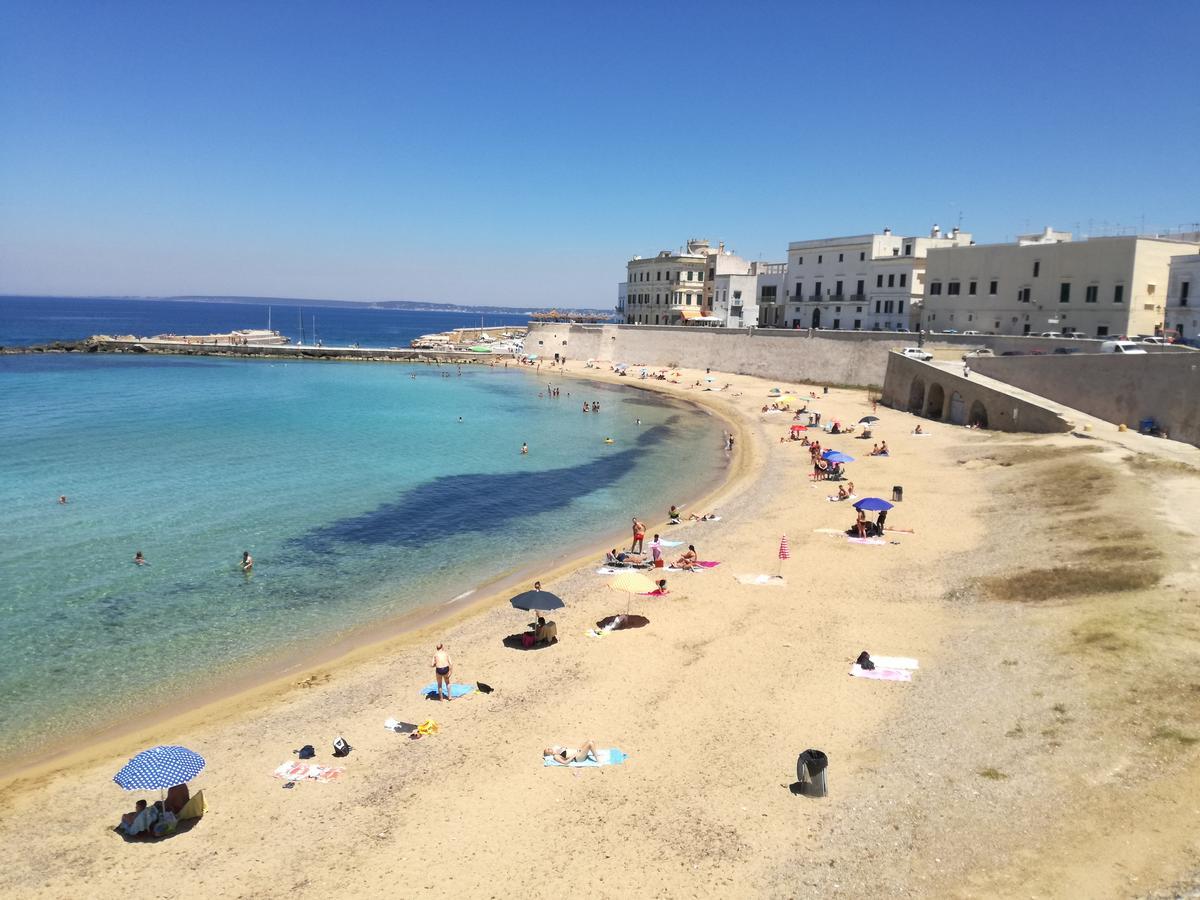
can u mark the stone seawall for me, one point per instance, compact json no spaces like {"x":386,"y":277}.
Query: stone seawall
{"x":263,"y":351}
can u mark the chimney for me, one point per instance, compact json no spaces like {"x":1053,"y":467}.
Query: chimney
{"x":887,"y":230}
{"x":720,"y":246}
{"x":954,"y":231}
{"x":935,"y":231}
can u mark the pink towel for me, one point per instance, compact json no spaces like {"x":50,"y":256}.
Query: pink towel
{"x":655,"y":593}
{"x":878,"y":674}
{"x":707,"y":563}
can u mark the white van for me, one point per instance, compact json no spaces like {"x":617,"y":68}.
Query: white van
{"x":1121,"y":347}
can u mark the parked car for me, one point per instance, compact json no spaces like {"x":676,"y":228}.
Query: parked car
{"x":1127,"y":347}
{"x":978,"y":353}
{"x":1013,"y":353}
{"x":949,"y":331}
{"x":1050,"y":334}
{"x":1152,"y":340}
{"x":916,"y":353}
{"x":970,"y":332}
{"x":1065,"y":350}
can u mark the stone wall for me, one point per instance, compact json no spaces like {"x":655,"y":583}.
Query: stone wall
{"x":935,"y":393}
{"x":1119,"y":389}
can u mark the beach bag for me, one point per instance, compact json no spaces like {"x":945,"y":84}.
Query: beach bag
{"x":427,"y":727}
{"x":527,"y":639}
{"x":864,"y":661}
{"x":341,"y":747}
{"x":308,"y":751}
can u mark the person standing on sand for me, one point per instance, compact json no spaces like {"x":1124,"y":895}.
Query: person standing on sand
{"x":639,"y":535}
{"x":656,"y":552}
{"x":441,"y":669}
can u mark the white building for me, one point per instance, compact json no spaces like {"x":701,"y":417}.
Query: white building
{"x":868,"y":282}
{"x":1183,"y":304}
{"x":736,"y":296}
{"x":675,"y":287}
{"x":1101,"y":287}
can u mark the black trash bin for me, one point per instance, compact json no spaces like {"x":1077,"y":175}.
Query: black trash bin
{"x":897,"y":493}
{"x":810,"y":773}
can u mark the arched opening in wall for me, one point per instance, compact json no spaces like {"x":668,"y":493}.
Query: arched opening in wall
{"x":958,"y":409}
{"x":916,"y":396}
{"x":935,"y":400}
{"x":816,"y":318}
{"x":978,"y":416}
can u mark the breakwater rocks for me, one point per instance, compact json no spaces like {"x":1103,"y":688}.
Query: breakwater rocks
{"x":251,"y":351}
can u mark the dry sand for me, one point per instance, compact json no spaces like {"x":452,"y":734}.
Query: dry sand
{"x":1046,"y":747}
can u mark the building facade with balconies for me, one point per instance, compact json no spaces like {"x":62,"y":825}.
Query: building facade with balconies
{"x":1183,"y":302}
{"x":866,"y":282}
{"x":675,"y":287}
{"x":1101,"y":287}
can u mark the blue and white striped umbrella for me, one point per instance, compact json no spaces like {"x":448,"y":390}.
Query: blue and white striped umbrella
{"x":159,"y":768}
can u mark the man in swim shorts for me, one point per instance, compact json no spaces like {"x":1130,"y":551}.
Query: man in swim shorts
{"x":441,"y":668}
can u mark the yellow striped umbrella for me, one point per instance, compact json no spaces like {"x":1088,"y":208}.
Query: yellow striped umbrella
{"x":631,"y":583}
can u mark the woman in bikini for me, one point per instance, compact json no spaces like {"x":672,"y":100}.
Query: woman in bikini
{"x":688,"y":560}
{"x":564,"y":756}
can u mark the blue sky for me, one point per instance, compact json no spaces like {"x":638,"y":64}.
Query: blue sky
{"x":520,"y":154}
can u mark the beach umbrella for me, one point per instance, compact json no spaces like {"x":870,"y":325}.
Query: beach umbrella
{"x":785,"y":552}
{"x":537,"y":600}
{"x":799,"y":428}
{"x":631,"y":583}
{"x":709,"y":378}
{"x":868,"y":420}
{"x":787,"y":398}
{"x":836,"y":456}
{"x":159,"y":768}
{"x":872,"y":504}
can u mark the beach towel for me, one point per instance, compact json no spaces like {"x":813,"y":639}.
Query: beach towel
{"x":776,"y":580}
{"x":194,"y":808}
{"x":399,"y":727}
{"x":706,"y":563}
{"x":873,"y":541}
{"x":828,"y":530}
{"x":456,"y":690}
{"x":895,"y":662}
{"x":880,"y":674}
{"x":608,"y":757}
{"x":693,"y":569}
{"x":671,"y":543}
{"x":608,"y":570}
{"x":302,"y":771}
{"x":657,"y":592}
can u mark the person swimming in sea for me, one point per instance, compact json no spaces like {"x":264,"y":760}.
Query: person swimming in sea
{"x":524,"y":449}
{"x":609,"y":440}
{"x":247,"y":561}
{"x":138,"y":559}
{"x":62,"y":500}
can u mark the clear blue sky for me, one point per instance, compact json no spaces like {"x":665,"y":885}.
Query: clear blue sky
{"x":519,"y":154}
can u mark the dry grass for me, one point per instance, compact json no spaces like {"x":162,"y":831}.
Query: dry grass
{"x":992,"y":774}
{"x":1170,"y":733}
{"x":1065,"y":582}
{"x":1145,"y":462}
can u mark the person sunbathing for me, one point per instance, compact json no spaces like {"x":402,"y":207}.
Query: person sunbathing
{"x":883,"y":449}
{"x":842,"y":493}
{"x":918,"y":430}
{"x":875,"y":450}
{"x":688,"y":560}
{"x":707,"y":517}
{"x":616,"y":557}
{"x":564,"y":756}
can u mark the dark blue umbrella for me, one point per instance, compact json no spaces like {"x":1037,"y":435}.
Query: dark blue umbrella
{"x":836,"y":456}
{"x":159,"y":768}
{"x":872,"y":504}
{"x":539,"y":600}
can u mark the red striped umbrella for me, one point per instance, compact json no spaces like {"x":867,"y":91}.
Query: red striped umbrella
{"x":785,"y":552}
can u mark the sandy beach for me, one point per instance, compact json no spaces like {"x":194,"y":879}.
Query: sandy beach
{"x":1046,"y":746}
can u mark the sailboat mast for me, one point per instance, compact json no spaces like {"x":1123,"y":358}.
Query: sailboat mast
{"x":300,"y":315}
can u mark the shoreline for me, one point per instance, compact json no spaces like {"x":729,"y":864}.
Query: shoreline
{"x":257,"y":684}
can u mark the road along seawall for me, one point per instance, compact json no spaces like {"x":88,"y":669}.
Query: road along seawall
{"x":1114,"y":387}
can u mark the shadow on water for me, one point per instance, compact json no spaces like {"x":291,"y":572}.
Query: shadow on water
{"x":460,"y":504}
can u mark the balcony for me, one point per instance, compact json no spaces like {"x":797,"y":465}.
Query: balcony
{"x":858,"y":298}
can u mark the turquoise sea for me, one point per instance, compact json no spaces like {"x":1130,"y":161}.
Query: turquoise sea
{"x":356,"y":487}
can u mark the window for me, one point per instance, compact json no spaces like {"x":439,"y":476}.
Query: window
{"x":712,"y":273}
{"x":899,"y":306}
{"x":658,"y":276}
{"x":689,"y":300}
{"x":862,"y":257}
{"x":878,"y":281}
{"x":817,"y":289}
{"x":840,"y":257}
{"x":1101,"y":331}
{"x":953,"y":287}
{"x":859,"y":291}
{"x":690,"y":275}
{"x":799,"y":260}
{"x":935,"y":288}
{"x":799,"y":290}
{"x":1037,"y":267}
{"x":737,"y":295}
{"x":878,"y":303}
{"x":887,"y":305}
{"x":992,"y":287}
{"x":1090,"y":293}
{"x":895,"y":251}
{"x":891,"y":279}
{"x":971,"y":286}
{"x":1025,"y":295}
{"x":1064,"y":292}
{"x":768,"y":293}
{"x":1184,"y":290}
{"x":837,"y":323}
{"x":857,"y":324}
{"x":820,"y":257}
{"x":838,"y":290}
{"x":700,"y":275}
{"x":1119,"y":294}
{"x":908,"y":249}
{"x":1150,"y":288}
{"x":903,"y":279}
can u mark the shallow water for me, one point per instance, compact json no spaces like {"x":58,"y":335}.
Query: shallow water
{"x":355,"y":486}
